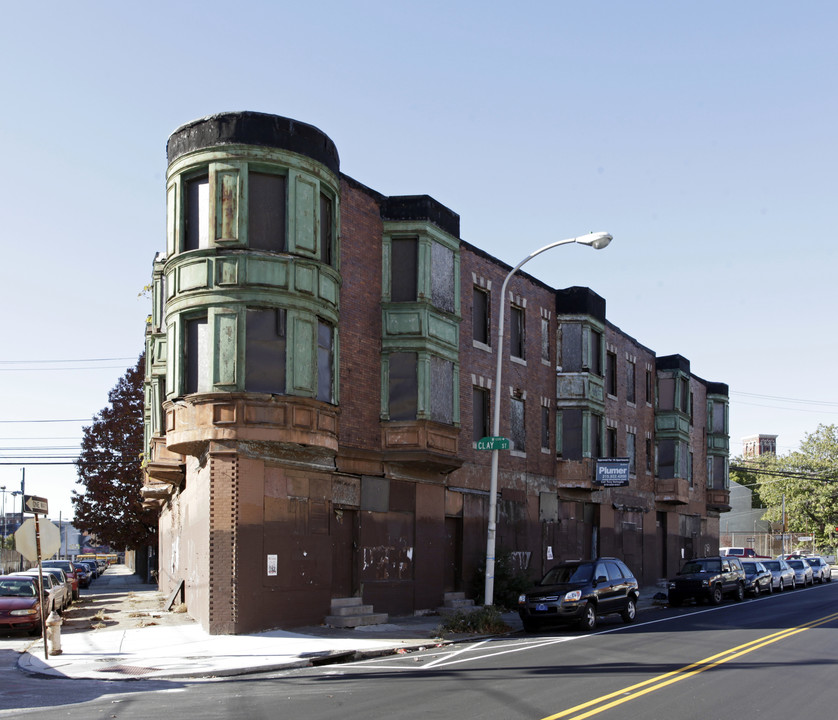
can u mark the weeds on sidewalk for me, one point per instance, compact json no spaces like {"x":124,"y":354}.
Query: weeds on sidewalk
{"x":481,"y":620}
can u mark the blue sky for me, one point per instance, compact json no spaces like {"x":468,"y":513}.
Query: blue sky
{"x":701,"y":135}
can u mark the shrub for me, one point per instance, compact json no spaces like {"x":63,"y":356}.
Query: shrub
{"x":481,"y":620}
{"x":509,"y":584}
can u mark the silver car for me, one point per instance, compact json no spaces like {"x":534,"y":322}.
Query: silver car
{"x":821,"y":570}
{"x":55,"y":591}
{"x":782,"y":576}
{"x":803,"y":574}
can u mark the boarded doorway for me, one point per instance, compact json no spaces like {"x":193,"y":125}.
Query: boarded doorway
{"x":344,"y":535}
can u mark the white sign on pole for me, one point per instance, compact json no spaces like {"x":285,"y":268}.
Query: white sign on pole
{"x":25,"y":539}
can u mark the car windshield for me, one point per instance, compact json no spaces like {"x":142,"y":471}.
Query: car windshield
{"x":749,"y":567}
{"x":17,"y":588}
{"x":773,"y":565}
{"x":569,"y":574}
{"x":797,"y":564}
{"x":702,"y":566}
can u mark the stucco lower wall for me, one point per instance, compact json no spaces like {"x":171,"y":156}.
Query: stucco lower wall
{"x":184,"y":542}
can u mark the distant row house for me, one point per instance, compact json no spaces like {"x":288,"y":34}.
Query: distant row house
{"x":320,"y":369}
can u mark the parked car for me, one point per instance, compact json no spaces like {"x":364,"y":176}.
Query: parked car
{"x":803,"y":574}
{"x":69,"y":570}
{"x":83,"y":574}
{"x":739,"y":552}
{"x":821,"y":570}
{"x":65,"y":587}
{"x":708,"y":579}
{"x":55,"y":591}
{"x":578,"y":591}
{"x":90,"y":567}
{"x":758,"y":578}
{"x":782,"y":575}
{"x":20,"y":606}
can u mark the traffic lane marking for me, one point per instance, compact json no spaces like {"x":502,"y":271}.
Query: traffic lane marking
{"x":385,"y":663}
{"x":661,"y":681}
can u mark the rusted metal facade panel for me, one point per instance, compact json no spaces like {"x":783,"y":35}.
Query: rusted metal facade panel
{"x":431,"y":547}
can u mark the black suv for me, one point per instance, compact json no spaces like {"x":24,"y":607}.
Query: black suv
{"x":578,"y":591}
{"x":708,"y":579}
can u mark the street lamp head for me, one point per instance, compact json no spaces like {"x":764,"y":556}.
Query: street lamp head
{"x":597,"y":240}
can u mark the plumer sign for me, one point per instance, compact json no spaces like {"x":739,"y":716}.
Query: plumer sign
{"x":612,"y":472}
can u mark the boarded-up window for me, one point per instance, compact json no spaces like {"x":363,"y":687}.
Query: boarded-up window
{"x":666,"y":459}
{"x":266,"y":212}
{"x":326,"y":224}
{"x":517,"y":429}
{"x":442,"y":390}
{"x":611,"y":439}
{"x":685,"y":395}
{"x":596,"y":436}
{"x":442,"y":277}
{"x":324,"y":361}
{"x":718,"y":417}
{"x":572,"y":434}
{"x":516,"y":332}
{"x":631,"y":452}
{"x":596,"y":353}
{"x":265,"y":351}
{"x":631,"y":395}
{"x":403,"y":389}
{"x":479,"y":413}
{"x":480,"y":316}
{"x":666,"y":393}
{"x":197,"y":361}
{"x":545,"y":428}
{"x":611,"y":373}
{"x":403,"y":269}
{"x":197,"y":213}
{"x":545,"y":339}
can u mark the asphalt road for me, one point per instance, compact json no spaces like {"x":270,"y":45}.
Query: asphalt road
{"x":775,"y":657}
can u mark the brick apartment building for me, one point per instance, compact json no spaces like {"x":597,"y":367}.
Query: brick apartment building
{"x":320,"y":366}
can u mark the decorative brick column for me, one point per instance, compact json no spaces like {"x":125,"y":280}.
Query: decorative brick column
{"x":223,"y":546}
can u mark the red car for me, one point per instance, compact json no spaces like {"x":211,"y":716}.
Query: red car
{"x":69,"y":570}
{"x":20,"y":606}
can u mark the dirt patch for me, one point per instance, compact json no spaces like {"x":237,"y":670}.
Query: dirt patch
{"x":133,"y":608}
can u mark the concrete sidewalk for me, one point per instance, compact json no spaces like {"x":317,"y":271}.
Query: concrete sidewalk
{"x":184,"y":650}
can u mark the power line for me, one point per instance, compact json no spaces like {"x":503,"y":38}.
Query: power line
{"x":785,"y":399}
{"x":72,"y":420}
{"x":34,"y":362}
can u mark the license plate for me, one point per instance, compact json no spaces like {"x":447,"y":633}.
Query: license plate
{"x":541,"y":607}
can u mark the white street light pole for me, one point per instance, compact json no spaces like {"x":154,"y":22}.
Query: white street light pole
{"x":597,"y":241}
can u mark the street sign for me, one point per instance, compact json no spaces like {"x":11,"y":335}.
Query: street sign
{"x":26,"y":543}
{"x":805,"y":538}
{"x":35,"y":505}
{"x":493,"y":443}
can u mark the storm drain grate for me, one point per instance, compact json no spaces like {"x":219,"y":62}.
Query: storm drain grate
{"x":128,"y":669}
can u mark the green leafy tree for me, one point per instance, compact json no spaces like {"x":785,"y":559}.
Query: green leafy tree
{"x":748,"y":471}
{"x":807,"y":480}
{"x":110,"y":469}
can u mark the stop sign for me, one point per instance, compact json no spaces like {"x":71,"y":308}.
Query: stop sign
{"x":25,"y":539}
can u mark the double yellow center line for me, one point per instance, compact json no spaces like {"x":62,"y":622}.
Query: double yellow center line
{"x":606,"y":702}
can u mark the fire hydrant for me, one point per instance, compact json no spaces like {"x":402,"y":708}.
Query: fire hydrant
{"x":54,"y":622}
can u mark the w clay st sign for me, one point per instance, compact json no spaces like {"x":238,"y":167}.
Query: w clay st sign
{"x":612,"y":472}
{"x":493,"y":443}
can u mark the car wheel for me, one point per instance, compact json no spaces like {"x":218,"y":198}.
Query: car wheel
{"x":756,"y":590}
{"x":740,"y":593}
{"x":630,"y":612}
{"x":716,"y":595}
{"x":588,"y":619}
{"x":793,"y":584}
{"x":770,"y":588}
